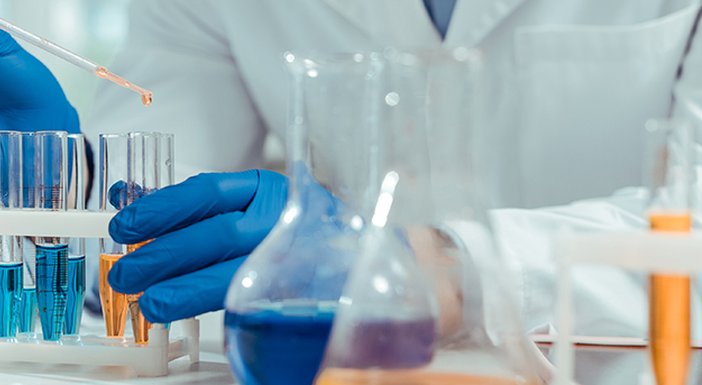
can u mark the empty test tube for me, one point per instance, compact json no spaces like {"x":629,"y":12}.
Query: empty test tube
{"x":51,"y":252}
{"x":113,"y":196}
{"x":10,"y":245}
{"x":76,"y":246}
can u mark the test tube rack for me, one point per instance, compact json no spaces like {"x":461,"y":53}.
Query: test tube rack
{"x":149,"y":360}
{"x":641,"y":251}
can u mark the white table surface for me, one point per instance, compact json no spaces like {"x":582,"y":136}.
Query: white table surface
{"x":212,"y":369}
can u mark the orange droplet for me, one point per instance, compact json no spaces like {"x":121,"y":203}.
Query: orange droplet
{"x":146,"y":99}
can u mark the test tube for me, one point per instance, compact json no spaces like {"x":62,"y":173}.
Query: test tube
{"x":144,"y":177}
{"x":28,"y":312}
{"x":10,"y":246}
{"x":669,"y":175}
{"x":51,"y":157}
{"x":76,"y":246}
{"x":113,"y":196}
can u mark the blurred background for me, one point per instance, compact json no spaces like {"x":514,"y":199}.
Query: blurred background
{"x":95,"y":29}
{"x":92,"y":28}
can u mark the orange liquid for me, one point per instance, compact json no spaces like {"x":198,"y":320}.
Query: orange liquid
{"x":140,"y":326}
{"x":408,"y":377}
{"x":146,"y":95}
{"x":114,"y":304}
{"x":669,"y":312}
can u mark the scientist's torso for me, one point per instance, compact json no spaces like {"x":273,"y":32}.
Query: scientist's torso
{"x":570,"y":83}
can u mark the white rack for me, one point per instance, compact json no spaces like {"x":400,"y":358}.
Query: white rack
{"x":642,"y":251}
{"x":149,"y":360}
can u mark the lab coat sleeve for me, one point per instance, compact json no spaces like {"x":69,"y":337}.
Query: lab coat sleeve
{"x":687,"y":100}
{"x":607,"y":301}
{"x":180,"y":51}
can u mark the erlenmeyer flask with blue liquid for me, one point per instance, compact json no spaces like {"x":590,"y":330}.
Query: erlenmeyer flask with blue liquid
{"x":282,"y":301}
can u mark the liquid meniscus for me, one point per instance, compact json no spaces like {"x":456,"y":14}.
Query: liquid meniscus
{"x":52,"y":288}
{"x":268,"y":347}
{"x":10,"y":297}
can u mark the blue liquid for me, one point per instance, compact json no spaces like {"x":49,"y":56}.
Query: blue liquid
{"x":28,"y":310}
{"x":10,"y":296}
{"x":270,"y":348}
{"x":52,"y":288}
{"x":76,"y":294}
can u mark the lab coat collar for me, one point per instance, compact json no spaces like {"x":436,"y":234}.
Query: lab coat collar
{"x":406,"y":23}
{"x":473,"y":20}
{"x":399,"y":23}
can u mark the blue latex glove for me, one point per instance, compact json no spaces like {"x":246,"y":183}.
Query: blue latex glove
{"x":204,"y":227}
{"x":31,"y":98}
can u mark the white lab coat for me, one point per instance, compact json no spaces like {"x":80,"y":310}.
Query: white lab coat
{"x":569,"y":86}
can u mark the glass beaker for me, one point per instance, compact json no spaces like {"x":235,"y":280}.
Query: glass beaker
{"x":283,"y":299}
{"x":10,"y":245}
{"x":668,"y":172}
{"x":385,"y":332}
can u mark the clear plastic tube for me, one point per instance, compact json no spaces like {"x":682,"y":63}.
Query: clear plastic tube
{"x":668,"y":172}
{"x":76,"y":246}
{"x":51,"y":157}
{"x":29,"y":312}
{"x":113,"y":171}
{"x":10,"y":246}
{"x":75,"y":59}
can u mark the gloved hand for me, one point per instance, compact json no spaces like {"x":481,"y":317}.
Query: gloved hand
{"x":31,"y":98}
{"x":204,"y":227}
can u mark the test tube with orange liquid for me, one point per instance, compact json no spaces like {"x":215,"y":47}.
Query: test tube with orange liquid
{"x":140,"y":325}
{"x":132,"y":165}
{"x":669,"y":176}
{"x":113,"y":196}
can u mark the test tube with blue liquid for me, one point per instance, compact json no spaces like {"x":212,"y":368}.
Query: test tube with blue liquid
{"x":10,"y":245}
{"x":28,"y":305}
{"x":76,"y":246}
{"x":51,"y":155}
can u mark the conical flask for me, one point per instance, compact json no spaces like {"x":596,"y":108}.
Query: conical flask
{"x":282,"y":301}
{"x":476,"y":338}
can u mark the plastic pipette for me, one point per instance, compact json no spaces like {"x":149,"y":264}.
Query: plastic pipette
{"x":77,"y":60}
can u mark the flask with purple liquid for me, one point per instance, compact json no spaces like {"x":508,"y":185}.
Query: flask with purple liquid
{"x":429,"y":306}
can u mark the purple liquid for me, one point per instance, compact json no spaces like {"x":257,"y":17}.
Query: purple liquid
{"x":389,"y":344}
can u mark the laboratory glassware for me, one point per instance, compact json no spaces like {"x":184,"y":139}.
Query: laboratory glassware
{"x":10,"y":245}
{"x":281,"y":303}
{"x":113,"y":172}
{"x":51,"y":193}
{"x":76,"y":246}
{"x":79,"y":61}
{"x":145,"y":169}
{"x":385,"y":332}
{"x":668,"y":172}
{"x":29,"y":312}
